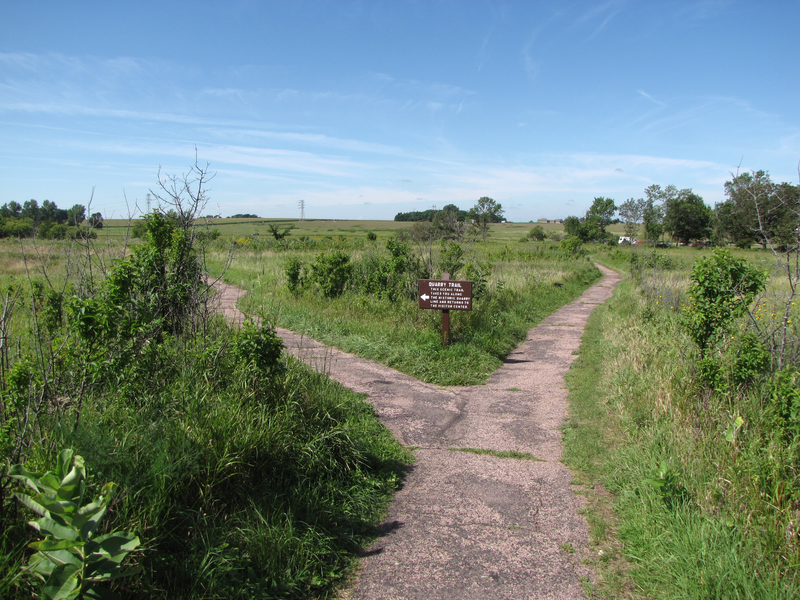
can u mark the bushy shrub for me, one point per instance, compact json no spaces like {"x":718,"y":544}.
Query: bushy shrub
{"x":331,"y":271}
{"x":294,"y":275}
{"x":572,"y":246}
{"x":258,"y":346}
{"x":722,"y":288}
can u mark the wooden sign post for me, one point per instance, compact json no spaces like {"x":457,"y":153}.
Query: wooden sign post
{"x":445,"y":294}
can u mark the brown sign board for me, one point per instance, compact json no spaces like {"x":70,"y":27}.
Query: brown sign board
{"x":445,"y":294}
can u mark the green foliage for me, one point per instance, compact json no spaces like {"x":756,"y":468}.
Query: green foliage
{"x":279,"y":233}
{"x":759,"y":210}
{"x":371,"y":236}
{"x":784,"y":403}
{"x":667,"y":484}
{"x":71,"y":559}
{"x":294,"y":275}
{"x":687,"y":217}
{"x":485,"y":211}
{"x":536,"y":234}
{"x":572,"y":246}
{"x":451,"y":258}
{"x":259,"y":347}
{"x":478,"y":274}
{"x":76,"y":215}
{"x":331,"y":271}
{"x":721,"y":290}
{"x":139,"y":229}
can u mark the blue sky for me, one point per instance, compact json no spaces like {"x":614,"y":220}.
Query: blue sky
{"x":365,"y":109}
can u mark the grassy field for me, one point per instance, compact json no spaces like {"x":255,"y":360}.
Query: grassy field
{"x":318,"y":228}
{"x":691,"y":472}
{"x":523,"y":283}
{"x":242,"y":473}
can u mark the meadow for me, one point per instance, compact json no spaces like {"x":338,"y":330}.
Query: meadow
{"x":687,"y":448}
{"x":238,"y":471}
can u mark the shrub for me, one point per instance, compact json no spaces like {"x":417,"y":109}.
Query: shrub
{"x":722,"y":288}
{"x":331,"y":271}
{"x":572,"y":246}
{"x":537,"y":233}
{"x":294,"y":275}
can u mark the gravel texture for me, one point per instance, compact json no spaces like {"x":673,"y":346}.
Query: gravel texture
{"x":467,"y":526}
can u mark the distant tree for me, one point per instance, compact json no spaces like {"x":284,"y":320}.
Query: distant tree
{"x":11,"y":209}
{"x":602,"y":212}
{"x":687,"y":217}
{"x":417,"y":216}
{"x":631,"y":213}
{"x":96,"y":220}
{"x":592,"y":227}
{"x":460,"y":215}
{"x":572,"y":226}
{"x":486,"y":211}
{"x":758,"y":210}
{"x":76,"y":215}
{"x":279,"y":233}
{"x":16,"y":227}
{"x":30,"y":210}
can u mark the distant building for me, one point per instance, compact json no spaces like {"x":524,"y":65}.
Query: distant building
{"x":542,"y":221}
{"x":557,"y":221}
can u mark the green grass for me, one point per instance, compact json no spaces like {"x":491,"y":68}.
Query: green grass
{"x":241,"y":483}
{"x":718,"y":529}
{"x":497,"y":453}
{"x":522,"y":291}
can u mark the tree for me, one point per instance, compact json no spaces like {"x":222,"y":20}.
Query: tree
{"x":537,"y":233}
{"x":76,"y":215}
{"x":30,"y":210}
{"x":11,"y":209}
{"x":592,"y":227}
{"x":687,"y":217}
{"x":631,"y":212}
{"x":758,"y":210}
{"x":452,"y":209}
{"x":96,"y":220}
{"x":601,"y":212}
{"x":486,"y":211}
{"x":572,"y":226}
{"x":277,"y":233}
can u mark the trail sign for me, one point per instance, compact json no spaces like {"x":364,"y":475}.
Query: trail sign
{"x":445,"y":295}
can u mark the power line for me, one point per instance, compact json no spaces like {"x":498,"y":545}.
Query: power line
{"x":302,"y":205}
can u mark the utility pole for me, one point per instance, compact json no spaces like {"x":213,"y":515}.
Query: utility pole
{"x":302,"y":206}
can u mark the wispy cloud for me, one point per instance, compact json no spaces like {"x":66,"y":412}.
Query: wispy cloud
{"x":650,"y":98}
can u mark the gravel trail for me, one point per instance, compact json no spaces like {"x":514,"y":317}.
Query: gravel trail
{"x":467,"y":526}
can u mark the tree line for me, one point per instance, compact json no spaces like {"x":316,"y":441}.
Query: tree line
{"x":47,"y":221}
{"x":756,"y":210}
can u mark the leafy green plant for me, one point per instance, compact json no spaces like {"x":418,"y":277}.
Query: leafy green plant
{"x":667,"y":485}
{"x":722,"y":288}
{"x":258,"y":346}
{"x":331,"y":270}
{"x":70,"y":560}
{"x":451,"y":258}
{"x":294,"y":275}
{"x":572,"y":246}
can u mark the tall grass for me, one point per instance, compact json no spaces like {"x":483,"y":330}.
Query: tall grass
{"x":241,"y":480}
{"x":526,"y":283}
{"x":704,"y":506}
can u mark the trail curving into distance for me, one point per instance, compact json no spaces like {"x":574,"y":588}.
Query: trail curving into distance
{"x":474,"y":526}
